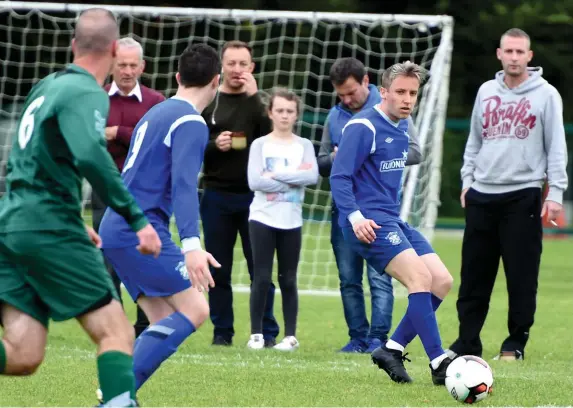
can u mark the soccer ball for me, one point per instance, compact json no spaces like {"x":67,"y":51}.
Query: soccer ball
{"x":469,"y":379}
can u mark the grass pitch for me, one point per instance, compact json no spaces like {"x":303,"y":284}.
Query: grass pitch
{"x":316,"y":375}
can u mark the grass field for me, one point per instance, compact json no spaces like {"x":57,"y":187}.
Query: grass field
{"x":315,"y":375}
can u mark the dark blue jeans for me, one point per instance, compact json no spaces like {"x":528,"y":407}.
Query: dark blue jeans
{"x":351,"y":271}
{"x":224,"y":215}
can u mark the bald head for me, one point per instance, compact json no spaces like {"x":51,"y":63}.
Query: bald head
{"x":96,"y":31}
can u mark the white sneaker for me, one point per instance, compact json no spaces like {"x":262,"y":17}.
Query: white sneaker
{"x":289,"y":343}
{"x":256,"y":342}
{"x":99,"y":396}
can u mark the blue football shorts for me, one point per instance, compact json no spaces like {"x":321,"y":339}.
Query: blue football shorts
{"x":145,"y":275}
{"x":393,"y":237}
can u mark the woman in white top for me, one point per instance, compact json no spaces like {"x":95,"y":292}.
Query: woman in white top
{"x":281,"y":164}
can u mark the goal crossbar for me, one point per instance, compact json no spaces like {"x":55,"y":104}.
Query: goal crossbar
{"x":241,"y":14}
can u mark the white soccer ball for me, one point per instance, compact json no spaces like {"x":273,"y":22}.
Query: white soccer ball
{"x":469,"y":379}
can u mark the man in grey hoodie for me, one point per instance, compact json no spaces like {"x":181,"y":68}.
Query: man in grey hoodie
{"x":516,"y":143}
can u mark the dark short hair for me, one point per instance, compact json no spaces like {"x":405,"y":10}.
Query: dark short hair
{"x":285,"y":94}
{"x":237,"y":45}
{"x":344,"y":68}
{"x":95,"y":31}
{"x":198,"y":65}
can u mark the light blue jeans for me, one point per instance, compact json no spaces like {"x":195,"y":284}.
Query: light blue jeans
{"x":351,"y":271}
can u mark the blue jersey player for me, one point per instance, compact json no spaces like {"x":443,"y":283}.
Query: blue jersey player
{"x":366,"y":180}
{"x":161,"y":172}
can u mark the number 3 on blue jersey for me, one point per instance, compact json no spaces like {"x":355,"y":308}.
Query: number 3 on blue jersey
{"x":136,"y":146}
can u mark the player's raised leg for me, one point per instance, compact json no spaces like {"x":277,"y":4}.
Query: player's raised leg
{"x":23,"y":344}
{"x":23,"y":316}
{"x":408,"y":268}
{"x":441,"y":285}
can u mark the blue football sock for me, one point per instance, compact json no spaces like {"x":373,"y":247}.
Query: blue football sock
{"x":405,"y":332}
{"x":424,"y":322}
{"x":436,"y":302}
{"x":157,"y":343}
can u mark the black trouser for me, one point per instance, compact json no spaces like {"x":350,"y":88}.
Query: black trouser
{"x":98,"y":210}
{"x":508,"y":226}
{"x":224,"y":216}
{"x":265,"y":241}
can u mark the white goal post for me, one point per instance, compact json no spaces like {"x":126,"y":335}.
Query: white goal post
{"x":290,"y":48}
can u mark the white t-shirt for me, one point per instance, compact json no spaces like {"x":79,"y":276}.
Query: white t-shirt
{"x":278,"y":200}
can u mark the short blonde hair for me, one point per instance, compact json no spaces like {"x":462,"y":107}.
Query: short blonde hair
{"x":407,"y":69}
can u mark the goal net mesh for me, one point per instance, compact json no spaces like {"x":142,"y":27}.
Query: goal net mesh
{"x":290,"y":49}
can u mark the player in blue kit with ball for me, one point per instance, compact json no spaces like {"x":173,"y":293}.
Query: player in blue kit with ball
{"x":161,"y":172}
{"x":365,"y":181}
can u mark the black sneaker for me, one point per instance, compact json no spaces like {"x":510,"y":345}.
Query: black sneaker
{"x":270,"y":342}
{"x":222,"y":341}
{"x":439,"y":374}
{"x":392,"y":361}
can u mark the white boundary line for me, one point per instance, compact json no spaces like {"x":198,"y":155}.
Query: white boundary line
{"x":275,"y":359}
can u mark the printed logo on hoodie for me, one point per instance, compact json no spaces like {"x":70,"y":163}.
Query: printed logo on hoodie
{"x":507,"y":119}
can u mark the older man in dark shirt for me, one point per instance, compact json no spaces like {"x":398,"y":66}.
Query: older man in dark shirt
{"x":129,"y":101}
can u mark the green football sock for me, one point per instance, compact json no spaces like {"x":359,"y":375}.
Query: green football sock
{"x":115,"y":371}
{"x":2,"y":357}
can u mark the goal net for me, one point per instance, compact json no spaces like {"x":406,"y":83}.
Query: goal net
{"x":292,"y":49}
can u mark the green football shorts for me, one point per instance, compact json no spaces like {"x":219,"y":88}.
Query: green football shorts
{"x":56,"y":275}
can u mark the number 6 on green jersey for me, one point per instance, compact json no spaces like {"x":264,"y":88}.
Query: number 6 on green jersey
{"x":27,"y":124}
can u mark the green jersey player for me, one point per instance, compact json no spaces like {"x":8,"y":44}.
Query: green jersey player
{"x":49,"y":266}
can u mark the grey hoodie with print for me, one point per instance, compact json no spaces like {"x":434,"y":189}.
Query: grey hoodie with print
{"x":517,"y":138}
